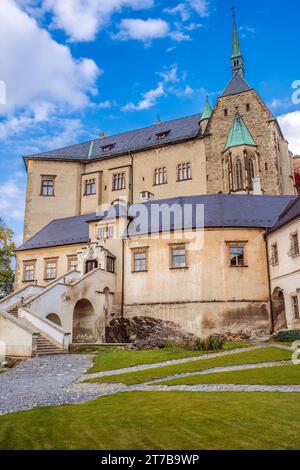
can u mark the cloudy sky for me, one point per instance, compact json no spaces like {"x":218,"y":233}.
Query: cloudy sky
{"x":75,"y":68}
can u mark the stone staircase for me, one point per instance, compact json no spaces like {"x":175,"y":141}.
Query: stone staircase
{"x":44,"y":346}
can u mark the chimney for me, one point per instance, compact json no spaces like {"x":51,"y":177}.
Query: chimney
{"x":102,"y":135}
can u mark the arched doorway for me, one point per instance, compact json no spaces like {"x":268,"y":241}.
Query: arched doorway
{"x":84,"y":322}
{"x":54,"y":318}
{"x":279,"y":316}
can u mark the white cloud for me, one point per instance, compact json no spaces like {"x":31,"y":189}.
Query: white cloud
{"x":179,"y":36}
{"x":142,"y":30}
{"x":12,"y":197}
{"x":81,"y":20}
{"x":290,"y":125}
{"x":200,"y":7}
{"x":43,"y":79}
{"x":181,"y":9}
{"x":280,"y":103}
{"x":148,"y":101}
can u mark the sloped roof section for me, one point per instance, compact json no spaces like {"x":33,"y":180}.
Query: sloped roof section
{"x":239,"y":134}
{"x":149,"y":137}
{"x":291,"y":212}
{"x":59,"y":232}
{"x":236,"y":85}
{"x":219,"y":211}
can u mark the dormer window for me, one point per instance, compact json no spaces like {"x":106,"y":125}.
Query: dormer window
{"x":162,"y":135}
{"x":105,"y":232}
{"x":107,"y":148}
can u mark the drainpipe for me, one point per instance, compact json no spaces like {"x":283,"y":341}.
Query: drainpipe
{"x":132,"y":162}
{"x":123,"y":269}
{"x":270,"y":288}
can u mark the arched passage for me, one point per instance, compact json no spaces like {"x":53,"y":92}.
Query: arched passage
{"x":54,"y":318}
{"x":279,"y":315}
{"x":84,"y":322}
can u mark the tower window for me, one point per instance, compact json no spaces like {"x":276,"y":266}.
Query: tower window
{"x":251,"y":172}
{"x":248,"y":107}
{"x":266,"y":167}
{"x":239,"y":174}
{"x":226,"y":112}
{"x":47,"y":186}
{"x":90,"y":187}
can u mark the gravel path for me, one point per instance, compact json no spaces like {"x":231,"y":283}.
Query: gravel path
{"x":40,"y":381}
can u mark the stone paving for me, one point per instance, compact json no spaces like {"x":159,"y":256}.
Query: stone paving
{"x":57,"y":380}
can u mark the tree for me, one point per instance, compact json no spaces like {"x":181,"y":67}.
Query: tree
{"x":7,"y":247}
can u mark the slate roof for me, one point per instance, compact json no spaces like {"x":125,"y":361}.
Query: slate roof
{"x":219,"y":211}
{"x":67,"y":231}
{"x":291,"y":212}
{"x":176,"y":130}
{"x":236,"y":85}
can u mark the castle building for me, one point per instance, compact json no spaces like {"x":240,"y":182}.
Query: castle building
{"x":89,"y":255}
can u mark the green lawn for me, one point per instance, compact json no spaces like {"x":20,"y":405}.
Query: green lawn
{"x":282,"y":375}
{"x":166,"y":420}
{"x":116,"y":358}
{"x":247,"y":357}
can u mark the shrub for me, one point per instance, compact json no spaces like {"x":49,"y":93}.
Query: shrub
{"x":212,"y":343}
{"x":289,"y":335}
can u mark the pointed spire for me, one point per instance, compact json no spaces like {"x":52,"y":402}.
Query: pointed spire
{"x":237,"y":60}
{"x":206,"y":111}
{"x":239,"y":134}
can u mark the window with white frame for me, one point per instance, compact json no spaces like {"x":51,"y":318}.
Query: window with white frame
{"x":118,"y":181}
{"x":72,"y":263}
{"x":184,"y":171}
{"x":105,"y":232}
{"x":237,"y":255}
{"x":140,"y":260}
{"x":90,"y":187}
{"x":178,"y":256}
{"x":160,"y":176}
{"x":28,"y":271}
{"x":50,"y":269}
{"x":47,"y":186}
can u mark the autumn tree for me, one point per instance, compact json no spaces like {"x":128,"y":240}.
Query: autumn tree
{"x":7,"y":248}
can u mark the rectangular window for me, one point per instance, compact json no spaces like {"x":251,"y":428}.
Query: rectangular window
{"x":274,"y":255}
{"x":50,"y":270}
{"x":248,"y":107}
{"x":105,"y":232}
{"x":295,"y":306}
{"x":140,"y":262}
{"x":160,"y":176}
{"x":178,"y":257}
{"x":110,"y":264}
{"x":72,"y":263}
{"x":184,"y":172}
{"x":237,"y":255}
{"x":28,"y":273}
{"x":294,"y":250}
{"x":47,"y":186}
{"x":118,"y":181}
{"x":90,"y":187}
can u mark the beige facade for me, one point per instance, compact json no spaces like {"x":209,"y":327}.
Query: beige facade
{"x":284,"y":258}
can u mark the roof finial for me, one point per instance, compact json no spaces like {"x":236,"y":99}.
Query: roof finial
{"x":233,"y":13}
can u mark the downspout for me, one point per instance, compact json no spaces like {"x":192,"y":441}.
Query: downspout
{"x":123,"y":270}
{"x":270,"y":287}
{"x":132,"y":179}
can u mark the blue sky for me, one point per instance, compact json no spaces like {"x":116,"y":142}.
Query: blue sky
{"x":75,"y":68}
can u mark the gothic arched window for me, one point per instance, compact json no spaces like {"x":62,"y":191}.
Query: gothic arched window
{"x":251,"y":172}
{"x":239,"y":174}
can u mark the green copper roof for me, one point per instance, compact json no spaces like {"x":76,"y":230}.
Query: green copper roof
{"x":207,"y":111}
{"x":239,"y":134}
{"x":236,"y":48}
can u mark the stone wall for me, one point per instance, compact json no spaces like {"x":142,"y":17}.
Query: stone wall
{"x":265,"y":132}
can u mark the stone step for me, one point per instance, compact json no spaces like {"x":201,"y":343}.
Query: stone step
{"x":46,"y":348}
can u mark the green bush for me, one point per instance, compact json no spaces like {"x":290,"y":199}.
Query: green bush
{"x":212,"y":343}
{"x":289,"y":335}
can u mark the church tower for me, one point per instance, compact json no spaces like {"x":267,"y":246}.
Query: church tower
{"x":245,"y":149}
